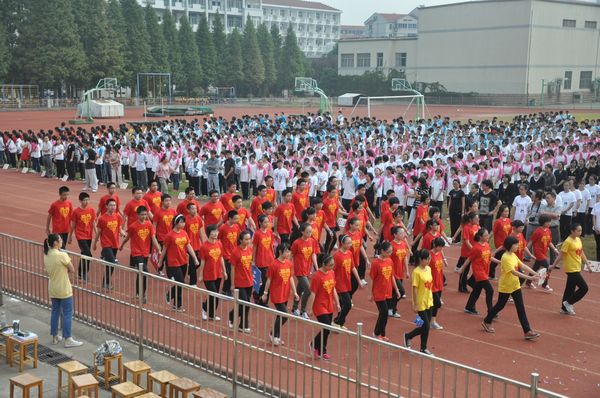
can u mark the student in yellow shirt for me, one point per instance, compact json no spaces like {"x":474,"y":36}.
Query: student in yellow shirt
{"x":59,"y":266}
{"x":422,"y":299}
{"x":510,"y":286}
{"x":571,"y":254}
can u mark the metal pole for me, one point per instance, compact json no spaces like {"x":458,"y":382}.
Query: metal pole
{"x":141,"y":294}
{"x":137,"y":91}
{"x":542,"y":95}
{"x":236,"y":315}
{"x":534,"y":383}
{"x":359,"y":327}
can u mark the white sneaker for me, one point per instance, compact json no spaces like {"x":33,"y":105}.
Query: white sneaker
{"x":396,"y":315}
{"x":363,"y":282}
{"x":305,"y":315}
{"x":70,"y":342}
{"x":274,"y":340}
{"x":216,"y":318}
{"x":204,"y":315}
{"x":296,"y":312}
{"x":230,"y":324}
{"x":246,"y":330}
{"x":436,"y":326}
{"x":569,"y":307}
{"x":390,"y":313}
{"x":56,"y":339}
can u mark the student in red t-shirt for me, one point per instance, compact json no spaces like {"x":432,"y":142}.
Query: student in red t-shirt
{"x":256,"y":205}
{"x":331,"y":210}
{"x":271,"y":195}
{"x":212,"y":212}
{"x":263,"y":244}
{"x":382,"y":275}
{"x":153,"y":196}
{"x":320,"y":303}
{"x":304,"y":251}
{"x":541,"y":241}
{"x":400,"y":255}
{"x":480,"y":259}
{"x":436,"y":263}
{"x":190,"y":196}
{"x":358,"y":250}
{"x":243,"y":279}
{"x":108,"y":229}
{"x":59,"y":214}
{"x":227,"y":197}
{"x":432,"y":231}
{"x":112,"y":189}
{"x":300,"y":198}
{"x":421,"y":218}
{"x":285,"y":217}
{"x":501,"y":230}
{"x":280,"y":283}
{"x":387,"y":220}
{"x":83,"y":224}
{"x":163,"y":222}
{"x":142,"y":235}
{"x":344,"y":269}
{"x":229,"y":233}
{"x":469,"y":227}
{"x":212,"y":271}
{"x":195,"y":230}
{"x":130,"y":210}
{"x":244,"y":217}
{"x":176,"y":249}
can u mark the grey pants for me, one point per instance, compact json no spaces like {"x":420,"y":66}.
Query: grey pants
{"x":303,"y":290}
{"x":91,"y":180}
{"x":213,"y":182}
{"x":164,"y":187}
{"x":48,"y":165}
{"x":142,"y":179}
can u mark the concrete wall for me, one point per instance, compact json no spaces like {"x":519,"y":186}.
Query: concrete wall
{"x":389,"y":48}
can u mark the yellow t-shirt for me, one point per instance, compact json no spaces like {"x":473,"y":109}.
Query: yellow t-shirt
{"x":423,"y":281}
{"x":56,"y":263}
{"x":508,"y":282}
{"x":571,"y":250}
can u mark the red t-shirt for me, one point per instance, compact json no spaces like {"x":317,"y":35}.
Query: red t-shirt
{"x":270,"y":195}
{"x":130,"y":210}
{"x":104,"y":199}
{"x":421,"y":218}
{"x":109,"y":226}
{"x":193,"y":225}
{"x":61,"y":216}
{"x":468,"y":234}
{"x":241,"y":259}
{"x":256,"y":208}
{"x":381,"y":273}
{"x":176,"y":244}
{"x":212,"y":213}
{"x":182,"y":206}
{"x":330,"y":209}
{"x":302,"y":251}
{"x":154,"y":200}
{"x":522,"y":245}
{"x":243,"y":216}
{"x":343,"y":264}
{"x":226,"y":200}
{"x":501,"y":229}
{"x":164,"y":222}
{"x":436,"y":263}
{"x":385,"y":206}
{"x":300,"y":202}
{"x":319,"y":224}
{"x":212,"y":253}
{"x":387,"y":222}
{"x":283,"y":214}
{"x":140,"y":238}
{"x":356,"y":238}
{"x":322,"y":285}
{"x":280,"y":273}
{"x":362,"y":217}
{"x":428,"y":239}
{"x":84,"y":222}
{"x":228,"y":236}
{"x":541,"y":239}
{"x":399,"y":255}
{"x":263,"y":242}
{"x":480,"y":257}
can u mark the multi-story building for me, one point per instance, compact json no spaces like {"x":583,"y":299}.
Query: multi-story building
{"x":391,"y":25}
{"x":316,"y":25}
{"x":352,"y":31}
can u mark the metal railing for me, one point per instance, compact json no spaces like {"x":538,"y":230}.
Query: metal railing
{"x":361,"y":367}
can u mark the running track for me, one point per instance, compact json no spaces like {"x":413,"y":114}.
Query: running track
{"x":567,"y":355}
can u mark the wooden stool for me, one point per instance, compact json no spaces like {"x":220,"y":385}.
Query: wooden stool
{"x":71,"y":368}
{"x":107,"y":375}
{"x":183,"y":386}
{"x":148,"y":395}
{"x":4,"y":344}
{"x":26,"y":382}
{"x":19,"y":346}
{"x":206,"y":392}
{"x":163,"y":378}
{"x":126,"y":390}
{"x":137,"y":369}
{"x":85,"y":384}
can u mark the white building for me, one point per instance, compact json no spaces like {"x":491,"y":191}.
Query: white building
{"x":352,"y":31}
{"x":493,"y":46}
{"x":317,"y":25}
{"x":391,"y":25}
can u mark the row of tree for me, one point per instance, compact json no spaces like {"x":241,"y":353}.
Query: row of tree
{"x":68,"y":44}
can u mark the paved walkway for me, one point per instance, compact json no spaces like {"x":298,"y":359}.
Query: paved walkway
{"x":37,"y":320}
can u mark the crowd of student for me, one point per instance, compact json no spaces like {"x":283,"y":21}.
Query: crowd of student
{"x":309,"y":222}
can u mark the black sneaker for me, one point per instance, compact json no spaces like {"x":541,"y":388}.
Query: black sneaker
{"x":406,"y":341}
{"x":168,"y":298}
{"x":471,"y":312}
{"x":426,"y":352}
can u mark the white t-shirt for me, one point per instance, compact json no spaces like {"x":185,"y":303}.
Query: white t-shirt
{"x":594,"y":191}
{"x":522,"y":206}
{"x":280,"y":177}
{"x":583,"y":204}
{"x":349,"y":187}
{"x":58,"y":151}
{"x":596,"y":214}
{"x":567,"y":199}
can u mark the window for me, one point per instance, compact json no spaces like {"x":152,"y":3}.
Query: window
{"x":379,"y":60}
{"x":363,"y":60}
{"x":569,"y":23}
{"x":567,"y":80}
{"x":591,"y":24}
{"x":400,"y":59}
{"x":282,"y":13}
{"x":585,"y":79}
{"x":403,"y":26}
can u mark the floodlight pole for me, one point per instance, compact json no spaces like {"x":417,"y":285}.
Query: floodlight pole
{"x":542,"y":94}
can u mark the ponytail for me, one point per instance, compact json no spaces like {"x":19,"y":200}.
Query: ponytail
{"x":50,"y":241}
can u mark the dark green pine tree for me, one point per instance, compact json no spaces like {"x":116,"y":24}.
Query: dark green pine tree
{"x":254,"y":68}
{"x":51,"y":53}
{"x":277,"y":48}
{"x":265,"y":42}
{"x":294,"y":60}
{"x":137,"y":50}
{"x":4,"y":54}
{"x":190,"y":60}
{"x":220,"y":43}
{"x":158,"y":45}
{"x":12,"y":16}
{"x":208,"y":56}
{"x":174,"y":51}
{"x":233,"y":65}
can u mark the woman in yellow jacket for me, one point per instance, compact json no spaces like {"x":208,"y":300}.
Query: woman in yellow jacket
{"x":422,"y":299}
